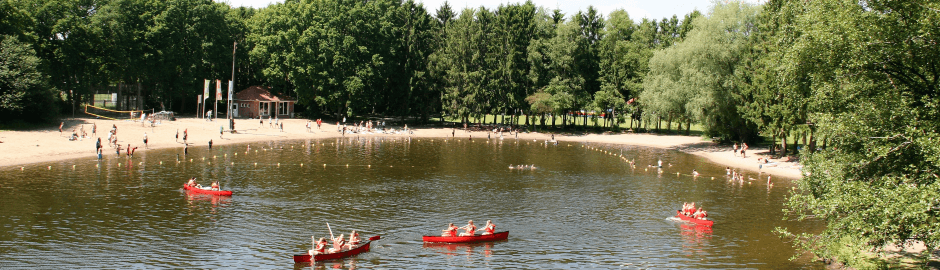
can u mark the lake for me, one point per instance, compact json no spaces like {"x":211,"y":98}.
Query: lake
{"x":582,"y":206}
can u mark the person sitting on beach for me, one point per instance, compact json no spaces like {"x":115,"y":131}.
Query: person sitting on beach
{"x":489,"y":229}
{"x":469,"y":229}
{"x":338,"y":243}
{"x":353,"y":240}
{"x":318,"y":248}
{"x":450,"y":231}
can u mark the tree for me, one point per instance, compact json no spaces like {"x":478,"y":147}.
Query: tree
{"x":875,"y":85}
{"x":24,"y":94}
{"x":693,"y":80}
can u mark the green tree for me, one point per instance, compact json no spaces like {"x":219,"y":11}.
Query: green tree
{"x":872,"y":68}
{"x":24,"y":93}
{"x":692,"y":81}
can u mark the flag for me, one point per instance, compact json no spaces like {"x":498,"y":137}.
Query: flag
{"x":205,"y":91}
{"x":218,"y":90}
{"x":230,"y":88}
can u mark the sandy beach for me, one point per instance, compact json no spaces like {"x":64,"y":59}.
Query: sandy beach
{"x":21,"y":148}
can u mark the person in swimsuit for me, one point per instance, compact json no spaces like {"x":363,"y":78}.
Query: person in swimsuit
{"x":450,"y":231}
{"x":192,"y":182}
{"x":489,"y":229}
{"x":215,"y":185}
{"x":469,"y":229}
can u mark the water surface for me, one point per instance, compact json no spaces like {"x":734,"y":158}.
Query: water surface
{"x":583,"y":206}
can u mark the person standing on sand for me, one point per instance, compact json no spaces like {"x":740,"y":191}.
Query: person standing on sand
{"x":145,"y":141}
{"x":221,"y":131}
{"x":743,"y":150}
{"x":185,"y":135}
{"x":282,"y":126}
{"x":210,"y":144}
{"x":98,"y":146}
{"x":118,"y":150}
{"x":60,"y":128}
{"x":734,"y":150}
{"x":94,"y":129}
{"x":260,"y":122}
{"x":177,"y":135}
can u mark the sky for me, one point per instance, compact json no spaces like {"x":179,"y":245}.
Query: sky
{"x":638,"y":9}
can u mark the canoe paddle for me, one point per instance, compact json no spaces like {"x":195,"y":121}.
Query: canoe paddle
{"x":331,"y":230}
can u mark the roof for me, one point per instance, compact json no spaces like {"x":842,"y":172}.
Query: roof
{"x":260,"y":93}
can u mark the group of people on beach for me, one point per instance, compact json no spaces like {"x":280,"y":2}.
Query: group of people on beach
{"x":469,"y":229}
{"x":688,"y":209}
{"x":339,"y":244}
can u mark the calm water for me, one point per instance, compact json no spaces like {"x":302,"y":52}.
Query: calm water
{"x":581,"y":207}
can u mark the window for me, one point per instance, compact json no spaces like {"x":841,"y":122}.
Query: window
{"x":282,"y":108}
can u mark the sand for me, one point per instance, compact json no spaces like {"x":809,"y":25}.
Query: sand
{"x":23,"y":148}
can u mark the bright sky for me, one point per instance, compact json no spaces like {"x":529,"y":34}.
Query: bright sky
{"x":638,"y":9}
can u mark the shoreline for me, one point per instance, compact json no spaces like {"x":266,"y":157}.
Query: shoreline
{"x":22,"y":148}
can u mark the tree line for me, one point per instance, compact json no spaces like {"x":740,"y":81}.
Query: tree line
{"x":856,"y":81}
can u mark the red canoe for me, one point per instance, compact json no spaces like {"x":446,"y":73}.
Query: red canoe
{"x":362,"y":247}
{"x":467,"y":239}
{"x":693,"y":220}
{"x":210,"y":192}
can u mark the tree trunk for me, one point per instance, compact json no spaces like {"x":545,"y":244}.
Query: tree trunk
{"x":783,"y":148}
{"x":812,"y":142}
{"x":688,"y":128}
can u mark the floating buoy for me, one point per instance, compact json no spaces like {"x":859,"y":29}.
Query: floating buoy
{"x":161,"y":162}
{"x":190,"y":160}
{"x":347,"y":165}
{"x":226,"y":155}
{"x":21,"y":168}
{"x":208,"y":163}
{"x":50,"y":167}
{"x":96,"y":166}
{"x":236,"y":154}
{"x":370,"y":166}
{"x":301,"y":164}
{"x":713,"y":178}
{"x":279,"y":164}
{"x":324,"y":165}
{"x":119,"y":165}
{"x":233,"y":163}
{"x":139,"y":163}
{"x":73,"y":167}
{"x":256,"y":163}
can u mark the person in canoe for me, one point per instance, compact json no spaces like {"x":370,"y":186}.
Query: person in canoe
{"x":192,"y":182}
{"x":353,"y":240}
{"x":338,"y":243}
{"x":215,"y":185}
{"x":450,"y":231}
{"x":469,"y":229}
{"x":318,"y":248}
{"x":489,"y":229}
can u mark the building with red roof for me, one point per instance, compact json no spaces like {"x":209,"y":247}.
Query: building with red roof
{"x":258,"y":101}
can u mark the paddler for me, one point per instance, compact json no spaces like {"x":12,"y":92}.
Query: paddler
{"x":489,"y":229}
{"x":469,"y":229}
{"x":192,"y":182}
{"x":338,"y":243}
{"x":318,"y":248}
{"x":353,"y":240}
{"x":215,"y":185}
{"x":450,"y":231}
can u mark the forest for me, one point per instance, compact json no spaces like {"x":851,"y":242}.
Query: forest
{"x":856,"y":81}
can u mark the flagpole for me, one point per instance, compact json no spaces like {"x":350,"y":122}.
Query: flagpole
{"x":231,"y":86}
